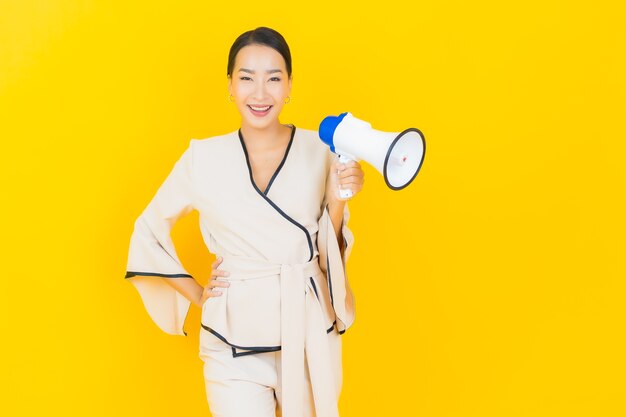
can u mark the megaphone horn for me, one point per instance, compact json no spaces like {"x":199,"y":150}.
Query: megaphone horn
{"x":396,"y":155}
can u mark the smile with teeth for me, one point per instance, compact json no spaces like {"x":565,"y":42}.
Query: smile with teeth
{"x":260,"y":109}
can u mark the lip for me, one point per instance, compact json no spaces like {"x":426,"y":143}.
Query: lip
{"x":259,"y":113}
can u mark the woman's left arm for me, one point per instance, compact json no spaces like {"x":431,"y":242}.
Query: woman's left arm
{"x":335,"y":210}
{"x":342,"y":176}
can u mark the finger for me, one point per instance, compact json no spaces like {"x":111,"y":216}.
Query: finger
{"x":204,"y":296}
{"x":350,"y":164}
{"x":338,"y":167}
{"x":348,"y":172}
{"x":350,"y":181}
{"x":210,"y":292}
{"x":218,"y":283}
{"x":219,"y":273}
{"x":217,"y":261}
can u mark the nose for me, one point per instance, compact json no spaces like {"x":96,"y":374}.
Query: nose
{"x":259,"y":90}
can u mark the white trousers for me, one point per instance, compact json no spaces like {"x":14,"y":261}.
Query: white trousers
{"x":248,"y":385}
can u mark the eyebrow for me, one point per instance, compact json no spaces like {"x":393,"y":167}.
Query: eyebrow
{"x":249,"y":71}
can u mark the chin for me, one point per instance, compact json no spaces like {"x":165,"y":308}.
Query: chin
{"x":260,"y":123}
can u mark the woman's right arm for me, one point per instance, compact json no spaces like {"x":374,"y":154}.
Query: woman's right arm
{"x":189,"y":288}
{"x":195,"y":292}
{"x":153,"y":267}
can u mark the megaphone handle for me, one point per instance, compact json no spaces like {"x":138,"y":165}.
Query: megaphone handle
{"x":347,"y":193}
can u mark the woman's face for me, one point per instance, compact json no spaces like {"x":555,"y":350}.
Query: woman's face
{"x":259,"y":79}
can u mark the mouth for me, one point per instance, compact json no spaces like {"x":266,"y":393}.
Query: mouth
{"x":259,"y":110}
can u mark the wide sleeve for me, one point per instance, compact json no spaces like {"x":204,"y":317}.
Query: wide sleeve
{"x":152,"y":254}
{"x":334,"y":264}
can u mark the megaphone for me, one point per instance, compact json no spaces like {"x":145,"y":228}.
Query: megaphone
{"x":396,"y":155}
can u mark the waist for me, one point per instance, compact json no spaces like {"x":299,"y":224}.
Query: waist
{"x":244,"y":268}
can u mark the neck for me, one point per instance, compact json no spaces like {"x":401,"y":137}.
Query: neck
{"x":265,"y":138}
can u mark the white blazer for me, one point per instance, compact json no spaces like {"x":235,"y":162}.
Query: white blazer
{"x":289,"y":287}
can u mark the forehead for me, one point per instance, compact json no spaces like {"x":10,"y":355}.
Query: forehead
{"x":259,"y":57}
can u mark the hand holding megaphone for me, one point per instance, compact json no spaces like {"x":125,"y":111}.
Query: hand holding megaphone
{"x":396,"y":155}
{"x":345,"y":179}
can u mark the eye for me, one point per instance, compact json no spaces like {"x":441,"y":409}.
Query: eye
{"x":244,"y":78}
{"x":275,"y":78}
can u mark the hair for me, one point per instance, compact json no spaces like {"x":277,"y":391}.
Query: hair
{"x":260,"y":36}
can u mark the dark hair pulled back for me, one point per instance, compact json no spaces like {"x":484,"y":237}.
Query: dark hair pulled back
{"x":260,"y":36}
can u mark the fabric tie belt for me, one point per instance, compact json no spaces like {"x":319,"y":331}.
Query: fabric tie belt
{"x":302,"y":331}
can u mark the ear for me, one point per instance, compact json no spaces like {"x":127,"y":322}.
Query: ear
{"x":230,"y":85}
{"x":289,"y":85}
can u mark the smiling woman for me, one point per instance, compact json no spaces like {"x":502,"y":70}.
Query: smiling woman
{"x":259,"y":80}
{"x":269,"y":206}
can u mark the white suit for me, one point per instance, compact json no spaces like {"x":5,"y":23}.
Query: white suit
{"x":289,"y":297}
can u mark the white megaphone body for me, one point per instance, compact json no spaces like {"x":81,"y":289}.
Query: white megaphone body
{"x":396,"y":155}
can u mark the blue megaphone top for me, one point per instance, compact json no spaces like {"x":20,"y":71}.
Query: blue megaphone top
{"x":327,"y":129}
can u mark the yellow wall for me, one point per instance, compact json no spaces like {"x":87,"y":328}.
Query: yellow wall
{"x":492,"y":286}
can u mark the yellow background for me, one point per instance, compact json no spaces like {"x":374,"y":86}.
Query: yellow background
{"x":492,"y":286}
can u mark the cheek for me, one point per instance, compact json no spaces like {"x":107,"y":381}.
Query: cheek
{"x":242,"y":89}
{"x":278,"y":89}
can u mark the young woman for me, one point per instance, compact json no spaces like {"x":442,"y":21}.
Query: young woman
{"x":278,"y":299}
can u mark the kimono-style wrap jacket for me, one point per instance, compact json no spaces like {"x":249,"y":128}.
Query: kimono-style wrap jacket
{"x":288,"y":284}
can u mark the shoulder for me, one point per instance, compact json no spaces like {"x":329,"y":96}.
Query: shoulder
{"x":310,"y":137}
{"x":216,"y":145}
{"x":311,"y":141}
{"x":213,"y":141}
{"x":313,"y":144}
